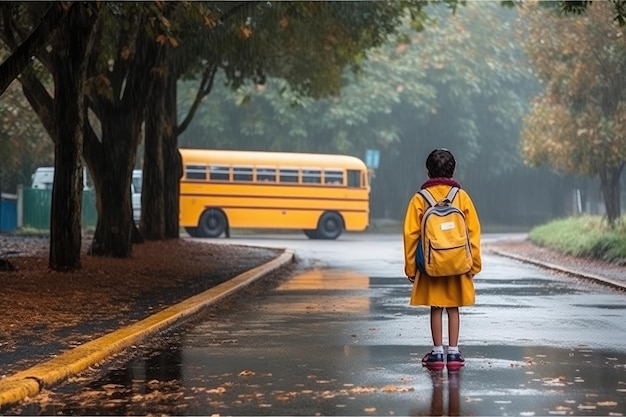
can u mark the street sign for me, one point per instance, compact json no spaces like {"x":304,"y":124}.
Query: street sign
{"x":372,"y":157}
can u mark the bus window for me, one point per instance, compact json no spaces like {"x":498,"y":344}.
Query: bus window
{"x":311,"y":176}
{"x":219,"y":173}
{"x":333,"y":177}
{"x":354,"y":178}
{"x":288,"y":175}
{"x":242,"y":174}
{"x":266,"y":174}
{"x":195,"y":172}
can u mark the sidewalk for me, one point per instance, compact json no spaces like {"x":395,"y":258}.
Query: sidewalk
{"x":54,"y":325}
{"x":600,"y":272}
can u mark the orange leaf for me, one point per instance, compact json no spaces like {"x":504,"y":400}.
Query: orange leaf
{"x":161,"y":39}
{"x":210,"y":21}
{"x":246,"y":32}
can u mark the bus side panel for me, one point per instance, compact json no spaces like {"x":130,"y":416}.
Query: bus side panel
{"x":356,"y":221}
{"x":273,"y":218}
{"x":274,"y":206}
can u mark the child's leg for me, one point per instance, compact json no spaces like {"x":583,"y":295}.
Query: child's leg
{"x":434,"y":360}
{"x":436,"y":326}
{"x":454,"y":359}
{"x":454,"y":324}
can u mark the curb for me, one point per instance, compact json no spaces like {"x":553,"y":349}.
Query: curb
{"x":30,"y":382}
{"x":592,"y":277}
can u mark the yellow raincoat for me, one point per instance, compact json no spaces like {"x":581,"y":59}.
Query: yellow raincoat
{"x":452,"y":291}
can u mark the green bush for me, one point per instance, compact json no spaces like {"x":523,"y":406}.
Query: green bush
{"x":584,"y":236}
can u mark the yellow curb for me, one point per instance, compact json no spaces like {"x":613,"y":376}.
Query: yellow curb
{"x":31,"y":381}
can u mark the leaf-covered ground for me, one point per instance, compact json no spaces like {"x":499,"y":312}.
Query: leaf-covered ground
{"x":44,"y":312}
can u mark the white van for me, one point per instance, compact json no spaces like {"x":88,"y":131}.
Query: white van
{"x":43,"y":178}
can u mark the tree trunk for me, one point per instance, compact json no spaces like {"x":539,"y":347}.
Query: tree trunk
{"x":72,"y":51}
{"x":159,"y":199}
{"x":152,"y":192}
{"x":112,"y":174}
{"x":172,"y":163}
{"x":162,"y":165}
{"x":610,"y":185}
{"x":112,"y":159}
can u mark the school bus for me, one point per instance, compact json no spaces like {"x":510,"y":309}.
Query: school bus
{"x":320,"y":194}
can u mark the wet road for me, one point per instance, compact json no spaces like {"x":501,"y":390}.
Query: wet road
{"x":338,"y":338}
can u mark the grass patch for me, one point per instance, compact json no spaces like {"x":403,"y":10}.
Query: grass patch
{"x":584,"y":236}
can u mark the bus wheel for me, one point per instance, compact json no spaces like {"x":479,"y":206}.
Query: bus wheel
{"x":192,"y":231}
{"x":330,"y":226}
{"x":311,"y":234}
{"x":212,"y":223}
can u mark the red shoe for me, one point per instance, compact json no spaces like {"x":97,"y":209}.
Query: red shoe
{"x":455,"y":361}
{"x":433,"y":361}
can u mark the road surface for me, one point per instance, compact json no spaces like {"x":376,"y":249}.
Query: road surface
{"x":339,"y":338}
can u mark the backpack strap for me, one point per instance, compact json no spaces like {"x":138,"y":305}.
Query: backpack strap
{"x":427,"y":196}
{"x":451,"y":194}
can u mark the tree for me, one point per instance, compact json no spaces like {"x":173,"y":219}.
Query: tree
{"x":120,"y":79}
{"x":63,"y":115}
{"x":125,"y":58}
{"x":307,"y":43}
{"x":578,"y":124}
{"x":73,"y":47}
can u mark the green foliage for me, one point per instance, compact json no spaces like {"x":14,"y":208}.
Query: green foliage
{"x":309,"y":44}
{"x":449,"y":76}
{"x":584,"y":236}
{"x":24,"y":144}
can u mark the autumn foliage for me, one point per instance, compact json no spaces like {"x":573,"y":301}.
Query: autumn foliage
{"x":578,"y":124}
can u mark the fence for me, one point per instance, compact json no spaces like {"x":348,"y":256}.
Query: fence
{"x":8,"y":212}
{"x":34,"y":205}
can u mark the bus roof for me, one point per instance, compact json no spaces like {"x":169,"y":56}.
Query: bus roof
{"x":262,"y":158}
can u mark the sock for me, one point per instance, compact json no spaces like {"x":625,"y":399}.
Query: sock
{"x":453,"y":349}
{"x":437,"y":349}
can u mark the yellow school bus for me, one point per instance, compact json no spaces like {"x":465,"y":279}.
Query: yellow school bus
{"x":320,"y":194}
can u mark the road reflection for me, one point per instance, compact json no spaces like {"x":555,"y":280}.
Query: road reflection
{"x":445,"y":385}
{"x":326,"y":280}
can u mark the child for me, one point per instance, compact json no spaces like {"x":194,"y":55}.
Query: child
{"x":441,"y":292}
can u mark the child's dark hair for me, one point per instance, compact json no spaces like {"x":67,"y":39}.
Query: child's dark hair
{"x":440,"y":164}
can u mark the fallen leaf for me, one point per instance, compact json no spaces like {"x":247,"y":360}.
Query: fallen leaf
{"x":246,"y":373}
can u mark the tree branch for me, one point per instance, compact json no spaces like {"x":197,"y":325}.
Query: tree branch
{"x":40,"y":100}
{"x":205,"y":88}
{"x":21,"y":57}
